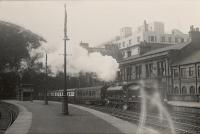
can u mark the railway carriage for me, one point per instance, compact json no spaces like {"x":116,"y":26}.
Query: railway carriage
{"x":125,"y":96}
{"x":90,"y":95}
{"x":71,"y":95}
{"x":57,"y":95}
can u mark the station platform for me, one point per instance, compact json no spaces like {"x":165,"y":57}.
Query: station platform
{"x":37,"y":118}
{"x":184,"y":104}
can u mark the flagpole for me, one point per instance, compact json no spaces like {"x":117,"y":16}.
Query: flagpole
{"x":65,"y":97}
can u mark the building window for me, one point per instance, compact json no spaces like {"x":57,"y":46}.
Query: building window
{"x":199,"y":89}
{"x":191,"y":71}
{"x":128,"y":53}
{"x":183,"y":73}
{"x":198,"y":69}
{"x":182,"y":40}
{"x":176,"y":91}
{"x":138,"y":70}
{"x":163,"y":39}
{"x":184,"y":90}
{"x":175,"y":73}
{"x":149,"y":70}
{"x":138,"y":39}
{"x":192,"y":90}
{"x":149,"y":39}
{"x":152,"y":38}
{"x":176,"y":40}
{"x":129,"y":42}
{"x":123,"y":44}
{"x":161,"y":68}
{"x":128,"y":71}
{"x":119,"y":45}
{"x":123,"y":53}
{"x":170,"y":39}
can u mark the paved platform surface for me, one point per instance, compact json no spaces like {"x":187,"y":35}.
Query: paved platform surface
{"x":184,"y":104}
{"x":48,"y":119}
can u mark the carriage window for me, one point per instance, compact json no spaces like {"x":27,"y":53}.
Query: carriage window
{"x":192,"y":90}
{"x":81,"y":93}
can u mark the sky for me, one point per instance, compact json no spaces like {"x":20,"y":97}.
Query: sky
{"x":95,"y":21}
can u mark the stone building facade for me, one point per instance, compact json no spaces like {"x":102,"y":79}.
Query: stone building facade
{"x":163,"y":64}
{"x":186,"y":71}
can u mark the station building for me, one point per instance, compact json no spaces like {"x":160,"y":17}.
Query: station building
{"x":25,"y":92}
{"x":175,"y":67}
{"x":186,"y":71}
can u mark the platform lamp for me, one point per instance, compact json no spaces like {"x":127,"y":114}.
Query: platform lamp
{"x":65,"y":97}
{"x":46,"y":79}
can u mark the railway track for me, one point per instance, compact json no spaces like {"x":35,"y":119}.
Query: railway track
{"x":183,"y":123}
{"x":8,"y":115}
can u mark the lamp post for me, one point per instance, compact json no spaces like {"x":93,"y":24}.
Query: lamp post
{"x":65,"y":98}
{"x":46,"y":77}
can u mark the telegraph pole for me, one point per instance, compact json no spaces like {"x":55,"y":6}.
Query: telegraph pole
{"x":65,"y":98}
{"x":45,"y":94}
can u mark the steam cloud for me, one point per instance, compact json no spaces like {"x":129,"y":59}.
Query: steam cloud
{"x":79,"y":60}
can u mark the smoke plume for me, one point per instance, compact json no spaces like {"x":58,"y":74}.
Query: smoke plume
{"x":79,"y":60}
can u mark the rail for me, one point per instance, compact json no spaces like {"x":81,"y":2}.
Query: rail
{"x":153,"y":120}
{"x":9,"y":113}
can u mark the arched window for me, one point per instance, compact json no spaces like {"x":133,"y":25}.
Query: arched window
{"x":192,"y":90}
{"x":176,"y":90}
{"x":184,"y":90}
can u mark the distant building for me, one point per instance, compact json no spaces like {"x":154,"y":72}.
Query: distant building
{"x":146,"y":33}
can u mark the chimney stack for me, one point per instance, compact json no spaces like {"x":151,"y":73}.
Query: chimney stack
{"x":194,"y":34}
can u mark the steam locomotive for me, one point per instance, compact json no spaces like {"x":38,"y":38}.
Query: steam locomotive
{"x":124,"y":96}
